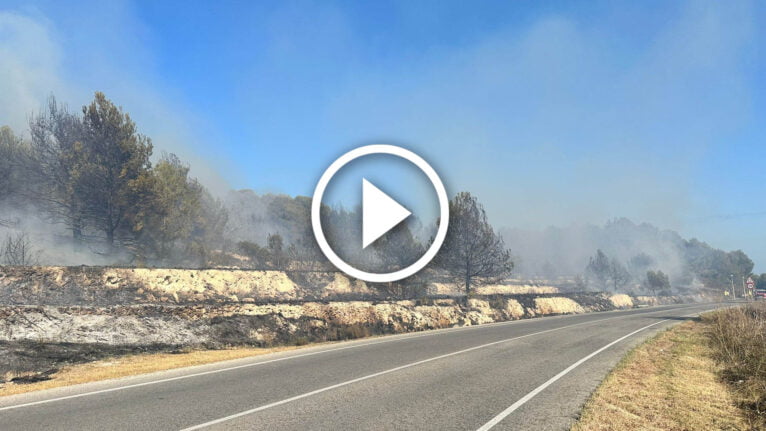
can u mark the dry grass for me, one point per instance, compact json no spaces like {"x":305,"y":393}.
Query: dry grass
{"x":621,"y":300}
{"x":131,"y":365}
{"x":514,"y":289}
{"x":669,"y":383}
{"x":557,"y":305}
{"x":738,"y":338}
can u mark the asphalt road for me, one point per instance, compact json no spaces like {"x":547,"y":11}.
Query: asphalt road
{"x":523,"y":375}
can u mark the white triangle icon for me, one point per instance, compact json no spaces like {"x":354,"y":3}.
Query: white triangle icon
{"x":380,"y":213}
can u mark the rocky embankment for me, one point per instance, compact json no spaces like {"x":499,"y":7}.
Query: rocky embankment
{"x":121,"y":286}
{"x":80,"y":314}
{"x":270,"y":324}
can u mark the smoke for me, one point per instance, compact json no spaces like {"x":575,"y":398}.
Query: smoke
{"x":51,"y":244}
{"x":551,"y":121}
{"x":561,"y":120}
{"x":65,"y":58}
{"x":564,"y":252}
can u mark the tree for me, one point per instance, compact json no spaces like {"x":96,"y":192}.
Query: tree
{"x":599,"y":269}
{"x":115,"y":167}
{"x":13,"y":153}
{"x":618,"y":275}
{"x":11,"y":149}
{"x":257,"y":254}
{"x":473,"y":253}
{"x":56,"y":166}
{"x":657,"y":282}
{"x":209,"y":226}
{"x":168,"y":216}
{"x":714,"y":267}
{"x":18,"y":250}
{"x":398,"y":248}
{"x":275,"y":246}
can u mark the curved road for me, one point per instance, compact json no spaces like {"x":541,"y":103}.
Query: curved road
{"x":528,"y":374}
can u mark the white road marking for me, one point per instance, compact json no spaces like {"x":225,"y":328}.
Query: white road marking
{"x":399,"y":368}
{"x":394,"y":338}
{"x":494,"y":421}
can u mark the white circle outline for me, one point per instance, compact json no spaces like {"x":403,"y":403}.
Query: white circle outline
{"x":316,"y":204}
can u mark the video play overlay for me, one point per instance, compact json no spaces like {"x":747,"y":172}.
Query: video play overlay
{"x":380,"y":212}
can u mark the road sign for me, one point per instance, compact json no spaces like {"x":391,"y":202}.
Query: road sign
{"x":750,"y":283}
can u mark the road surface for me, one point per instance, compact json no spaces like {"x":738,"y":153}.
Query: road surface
{"x":522,"y":375}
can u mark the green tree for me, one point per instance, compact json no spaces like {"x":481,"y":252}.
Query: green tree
{"x":714,"y":267}
{"x":115,"y":169}
{"x":473,"y":253}
{"x":167,"y":218}
{"x":657,"y":282}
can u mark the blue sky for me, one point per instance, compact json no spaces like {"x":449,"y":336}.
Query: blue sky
{"x":555,"y":113}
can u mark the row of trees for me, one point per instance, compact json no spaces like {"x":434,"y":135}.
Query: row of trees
{"x":710,"y":267}
{"x":92,"y":174}
{"x":611,"y":275}
{"x":472,"y":254}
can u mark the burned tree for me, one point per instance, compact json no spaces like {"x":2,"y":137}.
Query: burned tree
{"x":472,"y":253}
{"x":18,"y":250}
{"x":56,"y":166}
{"x":275,"y":246}
{"x":618,"y":275}
{"x":599,"y":269}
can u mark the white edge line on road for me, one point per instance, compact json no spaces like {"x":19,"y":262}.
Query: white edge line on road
{"x":496,"y":420}
{"x":401,"y":367}
{"x":397,"y":337}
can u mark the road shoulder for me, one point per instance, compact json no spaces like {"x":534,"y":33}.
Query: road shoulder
{"x":669,"y":382}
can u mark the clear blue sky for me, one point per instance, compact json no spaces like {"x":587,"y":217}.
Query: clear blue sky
{"x":552,"y":113}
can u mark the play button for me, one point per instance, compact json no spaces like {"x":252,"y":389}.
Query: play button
{"x":380,"y":213}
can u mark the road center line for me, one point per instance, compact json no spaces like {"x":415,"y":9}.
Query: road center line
{"x":494,"y":421}
{"x":402,"y":367}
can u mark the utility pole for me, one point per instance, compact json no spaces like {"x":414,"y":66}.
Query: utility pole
{"x":733,"y":295}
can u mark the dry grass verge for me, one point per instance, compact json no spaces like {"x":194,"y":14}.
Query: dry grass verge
{"x":131,"y":365}
{"x":670,"y":382}
{"x":738,"y":338}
